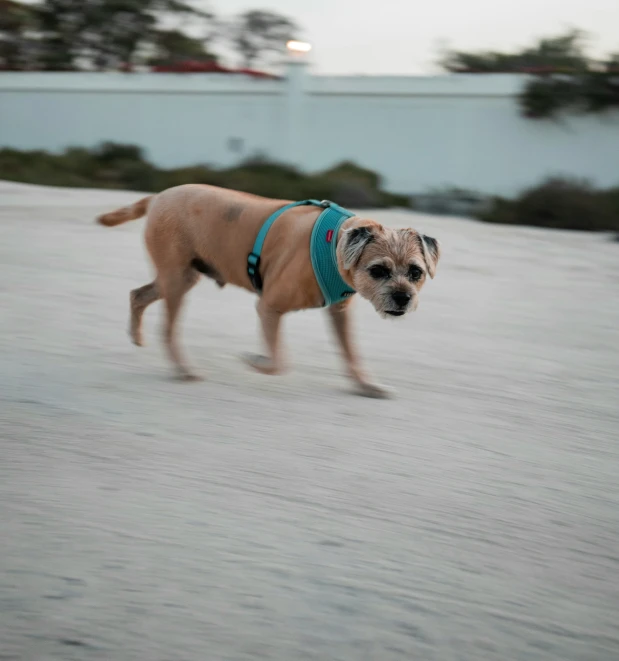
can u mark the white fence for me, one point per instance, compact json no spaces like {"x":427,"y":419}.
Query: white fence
{"x":417,"y":132}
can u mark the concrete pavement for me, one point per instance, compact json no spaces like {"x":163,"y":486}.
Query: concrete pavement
{"x":474,"y":517}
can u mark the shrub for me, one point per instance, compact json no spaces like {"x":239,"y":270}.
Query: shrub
{"x":559,"y":203}
{"x":112,"y":152}
{"x":118,"y":166}
{"x":196,"y":174}
{"x":349,"y":172}
{"x":260,"y":165}
{"x":611,"y":198}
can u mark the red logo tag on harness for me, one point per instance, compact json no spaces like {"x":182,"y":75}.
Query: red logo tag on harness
{"x":329,"y":236}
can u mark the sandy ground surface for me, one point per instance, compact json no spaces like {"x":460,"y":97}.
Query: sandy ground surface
{"x":474,"y":517}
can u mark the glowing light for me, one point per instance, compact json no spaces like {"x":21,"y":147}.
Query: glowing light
{"x":299,"y":46}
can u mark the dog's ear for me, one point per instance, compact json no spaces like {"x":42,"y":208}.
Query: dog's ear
{"x":354,"y":242}
{"x":431,"y":252}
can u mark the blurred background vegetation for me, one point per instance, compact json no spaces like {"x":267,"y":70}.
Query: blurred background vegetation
{"x":556,"y":203}
{"x":183,"y":36}
{"x":104,"y":35}
{"x":563,"y":76}
{"x":119,"y":166}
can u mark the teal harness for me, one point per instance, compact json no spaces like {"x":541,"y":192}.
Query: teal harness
{"x":322,"y":250}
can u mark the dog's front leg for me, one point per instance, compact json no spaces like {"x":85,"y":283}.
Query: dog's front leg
{"x":270,"y":321}
{"x":340,"y":318}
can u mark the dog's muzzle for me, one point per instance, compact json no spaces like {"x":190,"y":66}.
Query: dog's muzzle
{"x":401,"y":299}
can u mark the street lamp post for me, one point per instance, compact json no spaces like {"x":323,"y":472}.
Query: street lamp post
{"x":296,"y":78}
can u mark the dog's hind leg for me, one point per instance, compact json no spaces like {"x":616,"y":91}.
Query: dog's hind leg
{"x":173,"y":288}
{"x":140,"y":299}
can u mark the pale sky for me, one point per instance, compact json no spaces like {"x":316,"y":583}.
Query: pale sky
{"x":403,"y":37}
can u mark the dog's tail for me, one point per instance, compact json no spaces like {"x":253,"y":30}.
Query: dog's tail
{"x":125,"y":214}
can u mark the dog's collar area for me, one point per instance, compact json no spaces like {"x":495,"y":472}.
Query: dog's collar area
{"x":323,"y":250}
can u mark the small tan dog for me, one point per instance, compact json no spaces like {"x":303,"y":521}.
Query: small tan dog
{"x":193,"y":229}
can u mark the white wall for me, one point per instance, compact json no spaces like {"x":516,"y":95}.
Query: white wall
{"x":417,"y":132}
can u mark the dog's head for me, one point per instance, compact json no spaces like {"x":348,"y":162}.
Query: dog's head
{"x":387,"y":266}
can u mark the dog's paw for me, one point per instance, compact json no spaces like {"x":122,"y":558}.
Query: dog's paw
{"x":374,"y":391}
{"x":189,"y":377}
{"x":137,"y":339}
{"x":135,"y":334}
{"x":259,"y":363}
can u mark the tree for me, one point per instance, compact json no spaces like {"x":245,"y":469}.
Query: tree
{"x":172,"y":46}
{"x":69,"y":35}
{"x":258,"y":34}
{"x":16,"y":46}
{"x":564,"y":53}
{"x":109,"y":34}
{"x":565,"y":78}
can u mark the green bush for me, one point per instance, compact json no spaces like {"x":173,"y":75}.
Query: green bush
{"x":259,"y":165}
{"x":611,"y":199}
{"x":350,"y":172}
{"x":118,"y":166}
{"x":113,"y":152}
{"x":559,"y":203}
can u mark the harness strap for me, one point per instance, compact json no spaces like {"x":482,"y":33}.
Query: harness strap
{"x":323,"y":253}
{"x":253,"y":259}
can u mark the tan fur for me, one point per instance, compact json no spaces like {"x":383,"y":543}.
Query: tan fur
{"x":397,"y":250}
{"x":214,"y":229}
{"x":125,"y":214}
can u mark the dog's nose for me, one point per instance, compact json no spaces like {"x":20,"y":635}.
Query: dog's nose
{"x":401,"y":298}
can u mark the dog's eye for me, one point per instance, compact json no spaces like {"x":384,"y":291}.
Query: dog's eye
{"x":379,"y":272}
{"x":414,"y":273}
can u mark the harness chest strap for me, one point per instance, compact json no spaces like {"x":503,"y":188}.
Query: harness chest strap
{"x":322,"y":250}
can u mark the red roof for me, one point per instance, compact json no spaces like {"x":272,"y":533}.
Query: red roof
{"x":196,"y":66}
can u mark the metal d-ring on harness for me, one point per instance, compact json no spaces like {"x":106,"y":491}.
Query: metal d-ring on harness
{"x":322,"y":249}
